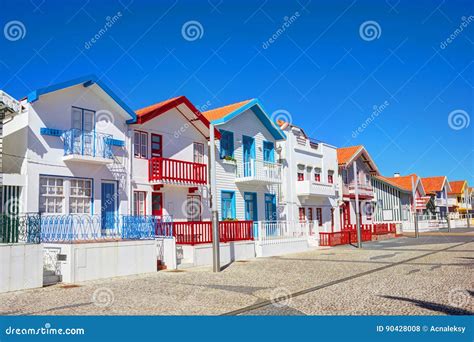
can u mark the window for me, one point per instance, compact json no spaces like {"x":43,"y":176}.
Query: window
{"x":140,"y":144}
{"x":156,"y":145}
{"x":317,"y":175}
{"x":227,"y":144}
{"x":330,"y":177}
{"x":198,"y":150}
{"x":310,"y":214}
{"x":268,"y":151}
{"x":82,"y":119}
{"x":51,"y":195}
{"x":80,"y":194}
{"x":300,"y":176}
{"x":227,"y":205}
{"x":61,"y":195}
{"x":193,"y":208}
{"x":139,"y":203}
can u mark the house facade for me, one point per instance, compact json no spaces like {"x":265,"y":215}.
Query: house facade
{"x":248,"y":174}
{"x":394,"y":201}
{"x":169,"y":171}
{"x":71,"y":145}
{"x":309,"y":189}
{"x":359,"y":183}
{"x":438,"y":188}
{"x":459,"y":197}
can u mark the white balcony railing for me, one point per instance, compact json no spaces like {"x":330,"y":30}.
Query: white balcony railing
{"x":312,"y":188}
{"x":8,"y":103}
{"x":258,"y":172}
{"x":364,"y":189}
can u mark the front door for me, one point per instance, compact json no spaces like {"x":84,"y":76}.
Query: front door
{"x":109,"y":205}
{"x":347,"y":213}
{"x":250,"y":206}
{"x":248,"y":145}
{"x":82,"y":133}
{"x":270,"y":207}
{"x":157,"y":204}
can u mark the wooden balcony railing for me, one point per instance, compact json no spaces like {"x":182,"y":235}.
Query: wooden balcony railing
{"x":200,"y":232}
{"x":176,"y":171}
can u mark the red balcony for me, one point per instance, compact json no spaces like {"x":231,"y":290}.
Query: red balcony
{"x":165,"y":170}
{"x":200,"y":232}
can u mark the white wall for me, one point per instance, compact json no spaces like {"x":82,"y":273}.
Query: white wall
{"x":21,"y":266}
{"x":90,"y":261}
{"x":247,"y":124}
{"x":201,"y":255}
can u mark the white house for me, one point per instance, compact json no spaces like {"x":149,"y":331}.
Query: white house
{"x":310,"y":189}
{"x":170,"y":161}
{"x":70,"y":144}
{"x":248,"y":175}
{"x":359,"y":183}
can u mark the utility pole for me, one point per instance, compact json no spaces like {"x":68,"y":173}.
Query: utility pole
{"x":356,"y":191}
{"x":447,"y":209}
{"x":415,"y":216}
{"x":466,"y":193}
{"x":216,"y":261}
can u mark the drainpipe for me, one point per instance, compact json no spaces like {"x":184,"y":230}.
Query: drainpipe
{"x":130,"y":172}
{"x":215,"y":218}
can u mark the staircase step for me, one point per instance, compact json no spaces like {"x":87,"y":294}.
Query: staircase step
{"x":48,"y":273}
{"x":51,"y":279}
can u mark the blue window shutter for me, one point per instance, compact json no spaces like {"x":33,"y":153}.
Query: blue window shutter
{"x":268,"y":151}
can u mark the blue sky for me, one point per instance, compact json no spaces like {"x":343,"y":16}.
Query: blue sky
{"x":319,"y":71}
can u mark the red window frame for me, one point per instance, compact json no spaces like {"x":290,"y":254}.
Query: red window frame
{"x":330,"y":178}
{"x":154,"y":212}
{"x":138,"y":154}
{"x":300,"y":176}
{"x":136,"y":203}
{"x":317,"y":177}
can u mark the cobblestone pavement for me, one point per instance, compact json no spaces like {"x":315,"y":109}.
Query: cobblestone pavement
{"x":432,"y":275}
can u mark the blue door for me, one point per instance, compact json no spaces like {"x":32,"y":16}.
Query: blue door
{"x":109,"y":205}
{"x":248,"y":144}
{"x":250,"y":204}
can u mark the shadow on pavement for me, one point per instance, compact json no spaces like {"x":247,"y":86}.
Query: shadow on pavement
{"x":446,"y":309}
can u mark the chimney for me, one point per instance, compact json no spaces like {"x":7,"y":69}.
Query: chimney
{"x":396,"y":174}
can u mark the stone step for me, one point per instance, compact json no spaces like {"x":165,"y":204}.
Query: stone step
{"x":48,"y":273}
{"x":51,"y":279}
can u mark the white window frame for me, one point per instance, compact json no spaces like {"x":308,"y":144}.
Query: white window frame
{"x":67,"y":196}
{"x":140,"y":144}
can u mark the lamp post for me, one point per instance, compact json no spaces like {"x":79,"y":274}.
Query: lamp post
{"x":216,"y":262}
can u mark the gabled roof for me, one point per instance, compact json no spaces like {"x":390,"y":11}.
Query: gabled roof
{"x":184,"y":106}
{"x":346,"y":155}
{"x":434,"y":184}
{"x":403,"y":182}
{"x":224,"y":114}
{"x":389,"y":182}
{"x":86,"y":81}
{"x":457,"y":187}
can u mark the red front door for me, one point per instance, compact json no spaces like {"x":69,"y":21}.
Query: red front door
{"x":157,"y":204}
{"x":347,"y":214}
{"x":156,"y":145}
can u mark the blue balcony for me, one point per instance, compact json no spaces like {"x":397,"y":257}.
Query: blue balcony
{"x":92,"y":147}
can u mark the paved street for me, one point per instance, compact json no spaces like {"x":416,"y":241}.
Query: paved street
{"x":432,"y":275}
